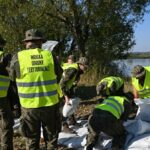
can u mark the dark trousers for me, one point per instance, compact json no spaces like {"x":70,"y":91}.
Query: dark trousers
{"x":33,"y":119}
{"x":6,"y":125}
{"x":103,"y":121}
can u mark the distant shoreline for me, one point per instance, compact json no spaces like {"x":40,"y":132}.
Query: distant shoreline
{"x":141,"y":55}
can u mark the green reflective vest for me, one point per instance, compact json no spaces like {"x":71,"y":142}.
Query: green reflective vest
{"x":60,"y":93}
{"x":70,"y":82}
{"x":114,"y":105}
{"x":37,"y":86}
{"x":4,"y":84}
{"x":67,"y":65}
{"x":143,"y":91}
{"x":119,"y":82}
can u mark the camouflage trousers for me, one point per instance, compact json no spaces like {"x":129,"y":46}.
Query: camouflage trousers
{"x":103,"y":121}
{"x":33,"y":119}
{"x":6,"y":125}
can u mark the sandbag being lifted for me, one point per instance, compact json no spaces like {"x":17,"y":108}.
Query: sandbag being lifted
{"x":70,"y":109}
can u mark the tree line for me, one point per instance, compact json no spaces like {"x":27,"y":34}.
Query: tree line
{"x":102,"y":30}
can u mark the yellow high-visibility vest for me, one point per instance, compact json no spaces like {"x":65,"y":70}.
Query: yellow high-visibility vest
{"x":119,"y":82}
{"x":70,"y":82}
{"x":67,"y":65}
{"x":37,"y":85}
{"x":143,"y":91}
{"x":4,"y":83}
{"x":114,"y":105}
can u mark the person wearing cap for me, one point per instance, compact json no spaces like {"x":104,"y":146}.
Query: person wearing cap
{"x":71,"y":76}
{"x":141,"y":90}
{"x":108,"y":117}
{"x":6,"y":117}
{"x":141,"y":81}
{"x":37,"y":73}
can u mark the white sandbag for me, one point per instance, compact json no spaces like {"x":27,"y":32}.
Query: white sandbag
{"x":78,"y":140}
{"x":137,"y":127}
{"x":141,"y":142}
{"x":143,"y":112}
{"x":70,"y":109}
{"x":49,"y":45}
{"x":74,"y":140}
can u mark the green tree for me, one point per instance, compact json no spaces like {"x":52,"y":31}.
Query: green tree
{"x":102,"y":28}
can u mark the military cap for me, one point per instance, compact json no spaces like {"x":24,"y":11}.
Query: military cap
{"x":138,"y":71}
{"x":83,"y":61}
{"x":33,"y":34}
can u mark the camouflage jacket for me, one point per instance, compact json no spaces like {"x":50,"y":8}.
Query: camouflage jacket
{"x":69,"y":74}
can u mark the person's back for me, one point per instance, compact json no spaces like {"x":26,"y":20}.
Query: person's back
{"x":108,"y":117}
{"x":36,"y":74}
{"x":109,"y":85}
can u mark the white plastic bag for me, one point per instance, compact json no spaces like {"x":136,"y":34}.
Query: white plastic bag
{"x":143,"y":112}
{"x":68,"y":110}
{"x":49,"y":45}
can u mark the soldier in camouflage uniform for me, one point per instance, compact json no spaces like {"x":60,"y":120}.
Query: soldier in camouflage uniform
{"x":108,"y":116}
{"x":37,"y":73}
{"x":6,"y":118}
{"x":70,"y":77}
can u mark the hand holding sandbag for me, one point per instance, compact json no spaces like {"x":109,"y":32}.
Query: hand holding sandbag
{"x":70,"y":107}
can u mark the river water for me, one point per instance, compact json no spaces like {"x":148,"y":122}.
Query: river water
{"x":127,"y":65}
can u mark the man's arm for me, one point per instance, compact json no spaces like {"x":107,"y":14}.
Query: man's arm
{"x":14,"y":68}
{"x":135,"y":92}
{"x":127,"y":110}
{"x":58,"y":69}
{"x":4,"y":63}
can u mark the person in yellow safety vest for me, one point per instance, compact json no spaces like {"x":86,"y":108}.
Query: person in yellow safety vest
{"x":37,"y":74}
{"x":141,"y":81}
{"x":70,"y":77}
{"x":141,"y":90}
{"x":108,"y":117}
{"x":6,"y":117}
{"x":70,"y":61}
{"x":109,"y":85}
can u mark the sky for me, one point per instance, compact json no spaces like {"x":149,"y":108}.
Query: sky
{"x":142,"y":35}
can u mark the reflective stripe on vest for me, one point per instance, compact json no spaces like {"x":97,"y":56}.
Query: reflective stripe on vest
{"x":143,"y":91}
{"x":4,"y":84}
{"x":70,"y":82}
{"x":114,"y":105}
{"x":119,"y":82}
{"x":37,"y":86}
